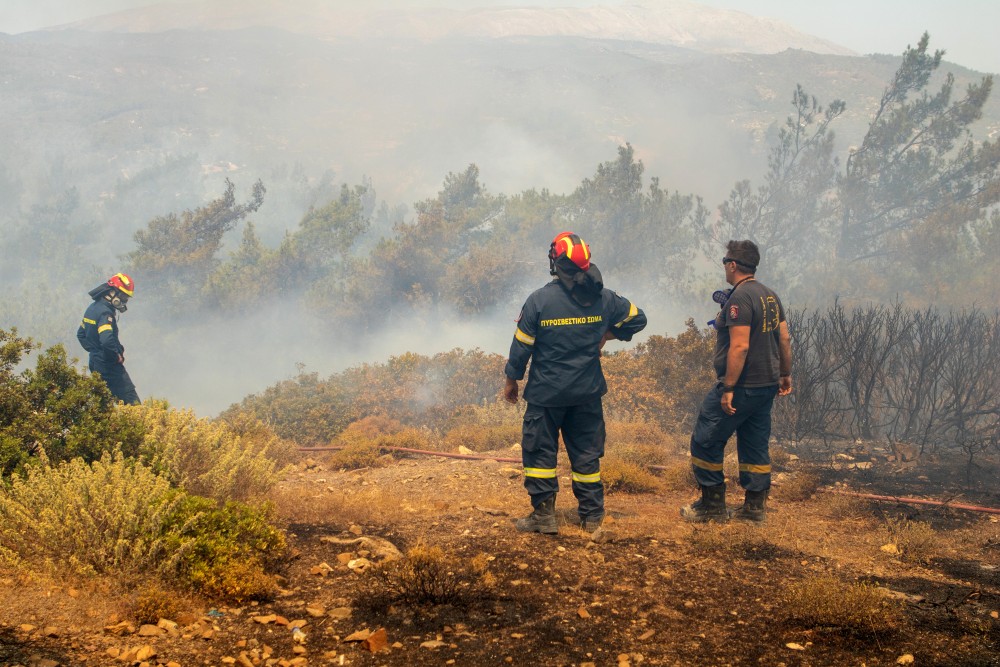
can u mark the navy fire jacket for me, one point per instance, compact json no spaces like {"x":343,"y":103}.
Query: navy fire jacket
{"x":562,"y":338}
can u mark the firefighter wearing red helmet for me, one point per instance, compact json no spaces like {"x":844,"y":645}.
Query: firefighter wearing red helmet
{"x":562,"y":329}
{"x":98,"y":334}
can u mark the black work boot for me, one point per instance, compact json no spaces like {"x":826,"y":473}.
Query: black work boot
{"x":591,"y":523}
{"x":541,"y":520}
{"x":754,"y":507}
{"x":711,"y":506}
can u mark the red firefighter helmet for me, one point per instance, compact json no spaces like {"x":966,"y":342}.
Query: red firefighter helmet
{"x":122,"y":283}
{"x":573,"y":247}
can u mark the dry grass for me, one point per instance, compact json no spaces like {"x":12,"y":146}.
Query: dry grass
{"x":842,"y":506}
{"x":797,"y":487}
{"x":481,"y":438}
{"x":916,"y":541}
{"x":151,"y":602}
{"x":620,"y":475}
{"x":823,"y":601}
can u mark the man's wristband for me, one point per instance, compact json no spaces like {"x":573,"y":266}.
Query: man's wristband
{"x":786,"y":375}
{"x":728,"y":388}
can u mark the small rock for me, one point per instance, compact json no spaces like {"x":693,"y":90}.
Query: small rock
{"x":358,"y":636}
{"x":316,"y":612}
{"x":795,"y":647}
{"x":905,"y":659}
{"x":890,"y":549}
{"x":245,"y":660}
{"x":359,"y":565}
{"x":264,"y":620}
{"x":646,"y":635}
{"x":186,"y":618}
{"x":148,"y":630}
{"x":339,"y":613}
{"x":376,"y":641}
{"x":583,"y":613}
{"x":145,"y":652}
{"x":433,"y":644}
{"x":355,"y":530}
{"x":28,"y":627}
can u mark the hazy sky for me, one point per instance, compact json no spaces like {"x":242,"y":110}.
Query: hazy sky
{"x":966,"y":29}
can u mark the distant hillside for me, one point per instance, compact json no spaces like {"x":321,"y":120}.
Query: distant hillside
{"x":111,"y":112}
{"x":671,"y":22}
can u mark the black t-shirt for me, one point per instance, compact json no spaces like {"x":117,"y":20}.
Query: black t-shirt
{"x":755,"y":305}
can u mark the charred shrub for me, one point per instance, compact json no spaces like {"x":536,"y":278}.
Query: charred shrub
{"x":426,"y":576}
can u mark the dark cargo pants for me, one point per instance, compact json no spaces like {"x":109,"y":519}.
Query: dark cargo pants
{"x":583,"y":433}
{"x":752,"y":425}
{"x":118,"y":381}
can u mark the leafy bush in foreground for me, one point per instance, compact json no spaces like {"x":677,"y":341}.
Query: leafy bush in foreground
{"x":117,"y":516}
{"x":55,"y":409}
{"x":215,"y":459}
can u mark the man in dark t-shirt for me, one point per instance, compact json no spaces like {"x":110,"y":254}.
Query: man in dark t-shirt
{"x":753,"y":363}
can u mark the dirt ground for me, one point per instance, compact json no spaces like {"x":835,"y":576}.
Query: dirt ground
{"x":649,"y":589}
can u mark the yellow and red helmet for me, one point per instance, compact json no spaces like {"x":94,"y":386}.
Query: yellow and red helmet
{"x":123,"y":283}
{"x":573,"y":247}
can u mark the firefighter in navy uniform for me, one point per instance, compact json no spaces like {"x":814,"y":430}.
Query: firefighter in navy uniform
{"x":562,"y":329}
{"x":98,"y":334}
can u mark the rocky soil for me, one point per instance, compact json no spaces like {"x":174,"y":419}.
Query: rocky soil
{"x":648,"y":589}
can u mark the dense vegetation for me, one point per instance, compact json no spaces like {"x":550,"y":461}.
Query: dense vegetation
{"x":105,"y":489}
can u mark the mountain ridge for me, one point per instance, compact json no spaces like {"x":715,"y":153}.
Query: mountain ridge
{"x":676,"y":22}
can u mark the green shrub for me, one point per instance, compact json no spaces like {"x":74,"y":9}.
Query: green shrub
{"x":55,"y":409}
{"x":106,"y":516}
{"x":223,"y":552}
{"x":117,"y":516}
{"x":209,"y":458}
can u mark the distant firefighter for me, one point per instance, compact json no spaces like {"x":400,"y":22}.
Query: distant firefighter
{"x":753,"y":364}
{"x":98,"y":334}
{"x":562,"y":329}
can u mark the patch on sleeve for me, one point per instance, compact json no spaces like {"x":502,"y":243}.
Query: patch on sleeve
{"x":110,"y":320}
{"x":734,"y":312}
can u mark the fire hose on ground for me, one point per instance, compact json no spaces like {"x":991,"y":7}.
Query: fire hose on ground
{"x":855,"y":494}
